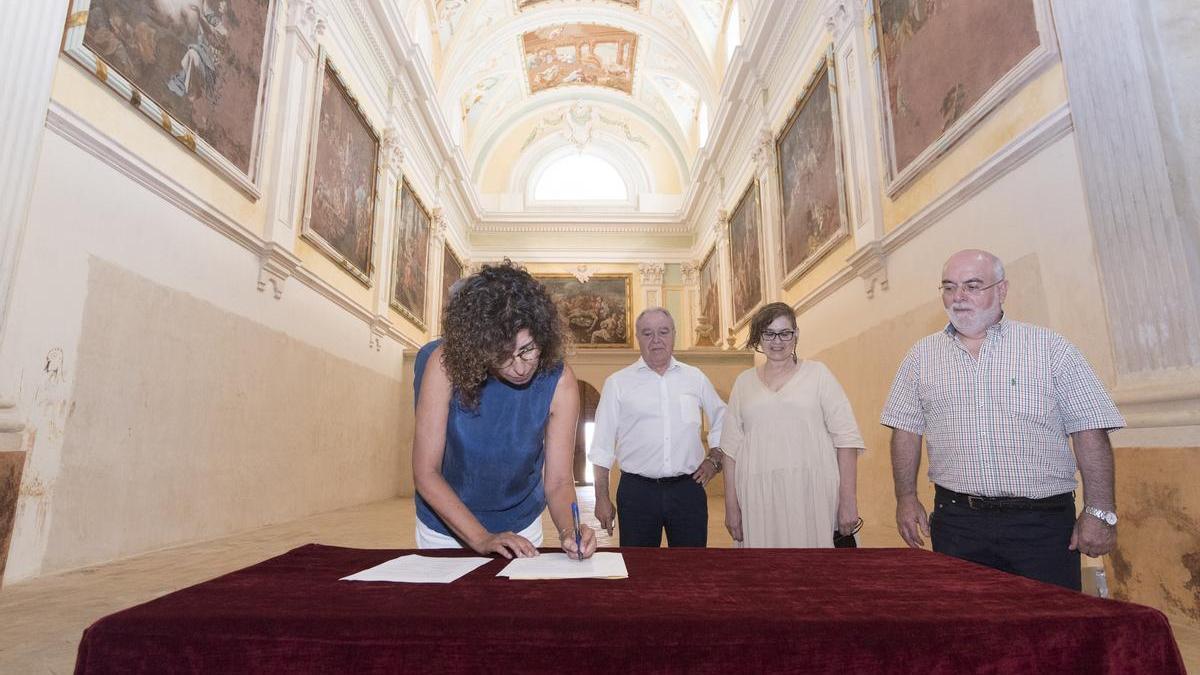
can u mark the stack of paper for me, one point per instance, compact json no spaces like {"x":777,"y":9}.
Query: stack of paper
{"x":419,"y":569}
{"x":559,"y":566}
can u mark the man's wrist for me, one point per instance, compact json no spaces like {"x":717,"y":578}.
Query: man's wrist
{"x":715,"y":457}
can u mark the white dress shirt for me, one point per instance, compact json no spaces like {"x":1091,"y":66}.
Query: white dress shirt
{"x":651,"y":422}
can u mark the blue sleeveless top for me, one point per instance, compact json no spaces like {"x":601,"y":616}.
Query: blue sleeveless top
{"x":494,"y":455}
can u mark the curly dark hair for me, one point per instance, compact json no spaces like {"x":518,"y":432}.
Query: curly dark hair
{"x":481,"y":322}
{"x":764,"y":317}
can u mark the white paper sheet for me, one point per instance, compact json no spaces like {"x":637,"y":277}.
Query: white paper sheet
{"x":606,"y":565}
{"x":419,"y":569}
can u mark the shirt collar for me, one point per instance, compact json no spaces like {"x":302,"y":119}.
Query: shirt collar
{"x":641,"y":364}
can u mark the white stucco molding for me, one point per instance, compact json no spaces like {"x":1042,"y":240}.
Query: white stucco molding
{"x":276,"y":265}
{"x":869,"y":263}
{"x":1168,"y":400}
{"x":873,"y":262}
{"x":83,"y":135}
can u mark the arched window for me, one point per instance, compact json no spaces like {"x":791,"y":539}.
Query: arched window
{"x":733,"y":30}
{"x":580,"y":176}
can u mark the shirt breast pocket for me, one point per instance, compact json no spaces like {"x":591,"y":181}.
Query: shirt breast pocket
{"x":1026,"y":395}
{"x":689,"y":408}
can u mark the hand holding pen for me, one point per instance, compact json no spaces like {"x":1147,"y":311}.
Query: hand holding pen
{"x":578,"y":542}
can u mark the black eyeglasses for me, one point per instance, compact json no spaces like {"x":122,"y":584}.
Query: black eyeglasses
{"x":785,"y":335}
{"x":528,"y":354}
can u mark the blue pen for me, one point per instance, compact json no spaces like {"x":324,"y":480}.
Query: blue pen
{"x":578,"y":535}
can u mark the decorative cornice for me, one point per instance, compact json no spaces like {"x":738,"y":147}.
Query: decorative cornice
{"x":381,"y":59}
{"x":1051,"y":128}
{"x":77,"y":131}
{"x":276,"y":264}
{"x":869,"y":263}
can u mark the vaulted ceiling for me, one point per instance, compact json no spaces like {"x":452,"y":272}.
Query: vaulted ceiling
{"x":524,"y":82}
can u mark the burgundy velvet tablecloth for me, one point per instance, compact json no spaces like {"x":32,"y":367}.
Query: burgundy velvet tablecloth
{"x":685,"y":610}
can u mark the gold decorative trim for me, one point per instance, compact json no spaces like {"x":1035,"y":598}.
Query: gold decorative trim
{"x":77,"y":19}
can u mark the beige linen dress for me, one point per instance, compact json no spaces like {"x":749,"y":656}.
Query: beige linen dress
{"x":784,"y":445}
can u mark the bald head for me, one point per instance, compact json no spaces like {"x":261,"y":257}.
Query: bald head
{"x":973,"y":291}
{"x":975,"y":257}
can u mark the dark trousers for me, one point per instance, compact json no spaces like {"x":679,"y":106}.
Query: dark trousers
{"x":646,"y":505}
{"x":1030,"y":542}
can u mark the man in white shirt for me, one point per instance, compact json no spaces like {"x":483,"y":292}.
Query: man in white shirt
{"x":648,"y":419}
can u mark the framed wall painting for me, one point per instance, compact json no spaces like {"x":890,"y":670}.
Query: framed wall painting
{"x":199,"y":70}
{"x":943,"y":66}
{"x":808,"y":156}
{"x":596,"y":312}
{"x":343,"y":163}
{"x":410,"y":259}
{"x":710,"y":299}
{"x":745,"y":254}
{"x":452,"y":271}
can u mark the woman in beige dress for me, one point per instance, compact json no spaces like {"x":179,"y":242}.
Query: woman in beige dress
{"x":791,"y":445}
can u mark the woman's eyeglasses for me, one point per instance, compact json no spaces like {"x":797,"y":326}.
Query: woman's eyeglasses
{"x":528,"y":354}
{"x":785,"y":335}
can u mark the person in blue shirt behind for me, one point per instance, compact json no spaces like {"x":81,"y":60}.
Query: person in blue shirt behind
{"x":495,"y":421}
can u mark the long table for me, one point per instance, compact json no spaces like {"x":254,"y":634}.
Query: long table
{"x":680,"y":610}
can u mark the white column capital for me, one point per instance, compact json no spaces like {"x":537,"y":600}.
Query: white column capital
{"x":393,"y":151}
{"x":764,"y":150}
{"x":841,"y":16}
{"x":437,"y":225}
{"x":652,"y":273}
{"x":721,"y":228}
{"x":307,"y":20}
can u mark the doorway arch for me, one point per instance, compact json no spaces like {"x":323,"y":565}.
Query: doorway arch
{"x":589,"y":400}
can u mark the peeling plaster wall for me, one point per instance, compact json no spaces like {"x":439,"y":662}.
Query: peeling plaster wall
{"x":1157,"y":561}
{"x":167,"y":398}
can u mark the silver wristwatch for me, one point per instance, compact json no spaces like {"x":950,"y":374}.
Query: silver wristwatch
{"x":1107,"y":517}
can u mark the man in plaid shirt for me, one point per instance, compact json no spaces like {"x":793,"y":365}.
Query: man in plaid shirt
{"x":996,"y":400}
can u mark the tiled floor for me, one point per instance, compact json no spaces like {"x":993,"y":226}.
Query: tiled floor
{"x":41,"y":620}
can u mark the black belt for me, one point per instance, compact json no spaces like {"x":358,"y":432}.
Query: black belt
{"x":978,"y":503}
{"x":668,"y":479}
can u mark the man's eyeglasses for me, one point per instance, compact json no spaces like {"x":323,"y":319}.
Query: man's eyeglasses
{"x":970,"y":288}
{"x":785,"y":335}
{"x":528,"y":354}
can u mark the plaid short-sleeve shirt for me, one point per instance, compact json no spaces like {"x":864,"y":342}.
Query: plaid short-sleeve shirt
{"x":998,"y":425}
